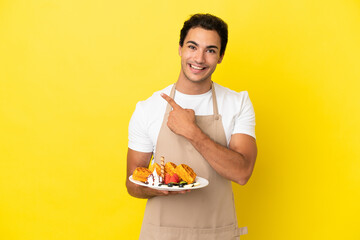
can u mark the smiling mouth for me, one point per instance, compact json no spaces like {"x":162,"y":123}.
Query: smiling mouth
{"x":196,"y":67}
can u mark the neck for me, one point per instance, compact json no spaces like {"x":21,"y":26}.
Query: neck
{"x":193,"y":88}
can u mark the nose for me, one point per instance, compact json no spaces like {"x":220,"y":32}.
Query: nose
{"x":199,"y":56}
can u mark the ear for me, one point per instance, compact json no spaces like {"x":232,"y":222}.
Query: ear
{"x":221,"y":58}
{"x":180,"y":50}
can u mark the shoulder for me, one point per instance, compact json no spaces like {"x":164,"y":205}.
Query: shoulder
{"x":155,"y":102}
{"x":146,"y":121}
{"x":230,"y":97}
{"x":237,"y":111}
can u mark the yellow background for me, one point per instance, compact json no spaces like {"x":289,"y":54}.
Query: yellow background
{"x":71,"y":73}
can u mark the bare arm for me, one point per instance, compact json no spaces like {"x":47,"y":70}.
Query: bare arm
{"x":139,"y":159}
{"x":235,"y":163}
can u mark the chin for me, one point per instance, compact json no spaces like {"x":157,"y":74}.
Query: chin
{"x":198,"y":79}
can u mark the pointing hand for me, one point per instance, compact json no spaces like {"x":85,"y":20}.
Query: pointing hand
{"x":181,"y":121}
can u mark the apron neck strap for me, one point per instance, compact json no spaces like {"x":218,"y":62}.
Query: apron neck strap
{"x":215,"y":106}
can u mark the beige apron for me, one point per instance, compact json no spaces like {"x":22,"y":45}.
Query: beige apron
{"x":206,"y":213}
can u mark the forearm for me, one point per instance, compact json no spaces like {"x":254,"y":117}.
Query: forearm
{"x":228,"y":163}
{"x":147,"y":193}
{"x":139,"y":191}
{"x":139,"y":159}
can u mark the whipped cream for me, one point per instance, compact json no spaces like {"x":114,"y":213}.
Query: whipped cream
{"x":154,"y":179}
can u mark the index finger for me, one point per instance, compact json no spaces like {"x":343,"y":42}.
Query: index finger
{"x":171,"y":101}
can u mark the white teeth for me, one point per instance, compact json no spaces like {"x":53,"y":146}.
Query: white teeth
{"x":195,"y":67}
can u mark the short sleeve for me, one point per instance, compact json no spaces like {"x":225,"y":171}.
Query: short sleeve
{"x":245,"y":119}
{"x":139,"y":139}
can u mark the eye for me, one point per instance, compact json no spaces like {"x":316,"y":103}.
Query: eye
{"x":192,"y":47}
{"x":211,"y":51}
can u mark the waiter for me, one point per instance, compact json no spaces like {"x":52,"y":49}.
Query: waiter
{"x":199,"y":123}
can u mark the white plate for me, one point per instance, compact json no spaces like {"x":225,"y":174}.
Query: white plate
{"x":199,"y":183}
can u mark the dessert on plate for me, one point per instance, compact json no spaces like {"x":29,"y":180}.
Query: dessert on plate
{"x":166,"y":174}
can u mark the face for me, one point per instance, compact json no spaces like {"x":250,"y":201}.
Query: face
{"x":200,"y":54}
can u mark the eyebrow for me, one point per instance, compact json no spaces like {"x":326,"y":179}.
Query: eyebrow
{"x":210,"y":46}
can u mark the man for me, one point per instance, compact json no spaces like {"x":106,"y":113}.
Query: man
{"x":199,"y":123}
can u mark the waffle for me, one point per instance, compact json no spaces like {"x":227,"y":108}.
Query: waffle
{"x":141,"y":174}
{"x":185,"y":173}
{"x":157,"y":166}
{"x":170,"y":168}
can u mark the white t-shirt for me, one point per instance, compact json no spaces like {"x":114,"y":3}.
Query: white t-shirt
{"x":236,"y":109}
